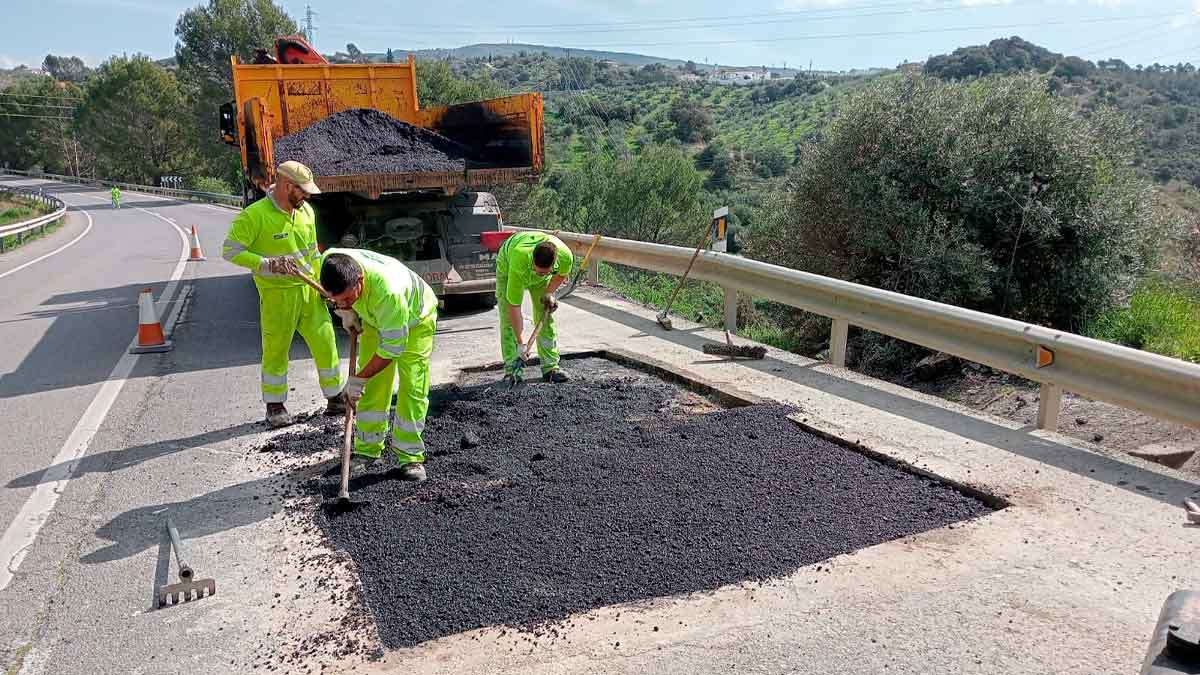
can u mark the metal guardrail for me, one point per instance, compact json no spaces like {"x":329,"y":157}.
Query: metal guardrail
{"x":1159,"y":386}
{"x":185,"y":195}
{"x":20,"y":229}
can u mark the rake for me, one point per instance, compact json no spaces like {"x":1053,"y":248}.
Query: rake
{"x":189,"y":588}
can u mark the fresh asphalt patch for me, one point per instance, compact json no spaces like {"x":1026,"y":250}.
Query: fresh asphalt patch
{"x":551,"y":500}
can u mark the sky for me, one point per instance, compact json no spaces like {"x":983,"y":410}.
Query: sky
{"x":829,"y":34}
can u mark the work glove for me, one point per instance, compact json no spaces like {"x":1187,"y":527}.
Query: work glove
{"x":354,"y":389}
{"x":350,"y":322}
{"x":278,"y":265}
{"x":517,"y":364}
{"x":550,"y":302}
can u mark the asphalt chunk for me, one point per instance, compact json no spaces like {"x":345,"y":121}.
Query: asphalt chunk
{"x":362,"y":140}
{"x":612,"y":488}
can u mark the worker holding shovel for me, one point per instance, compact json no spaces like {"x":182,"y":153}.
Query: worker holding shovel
{"x":395,"y":312}
{"x":537,"y":263}
{"x":116,"y":197}
{"x":276,"y":236}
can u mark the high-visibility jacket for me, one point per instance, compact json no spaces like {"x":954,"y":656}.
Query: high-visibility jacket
{"x":263,"y":230}
{"x":394,"y":298}
{"x":514,"y":265}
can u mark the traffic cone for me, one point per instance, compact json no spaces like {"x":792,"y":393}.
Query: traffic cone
{"x":150,"y":333}
{"x":197,"y":255}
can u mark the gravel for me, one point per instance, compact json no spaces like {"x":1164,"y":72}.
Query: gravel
{"x":615,"y":487}
{"x":363,"y":141}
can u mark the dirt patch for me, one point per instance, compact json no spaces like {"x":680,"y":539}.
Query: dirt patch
{"x":1107,"y":426}
{"x":362,"y":141}
{"x":613,"y":488}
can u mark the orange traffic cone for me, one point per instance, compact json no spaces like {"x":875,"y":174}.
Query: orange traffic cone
{"x":197,"y":255}
{"x":150,"y":333}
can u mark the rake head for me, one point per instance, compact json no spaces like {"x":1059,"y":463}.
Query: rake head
{"x":186,"y":591}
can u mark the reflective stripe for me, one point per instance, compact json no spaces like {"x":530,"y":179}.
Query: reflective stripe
{"x":546,"y":343}
{"x":406,"y":448}
{"x":327,"y":373}
{"x":372,"y":417}
{"x":405,"y":425}
{"x":394,"y":335}
{"x":274,"y":398}
{"x":268,"y":378}
{"x":370,"y":438}
{"x":332,"y":390}
{"x":231,"y":249}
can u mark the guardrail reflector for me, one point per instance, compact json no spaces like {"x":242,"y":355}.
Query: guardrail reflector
{"x":1045,"y":357}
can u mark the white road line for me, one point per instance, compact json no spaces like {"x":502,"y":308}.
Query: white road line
{"x":18,"y":538}
{"x":60,"y":249}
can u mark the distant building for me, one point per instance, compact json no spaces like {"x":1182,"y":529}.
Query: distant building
{"x":739,"y":76}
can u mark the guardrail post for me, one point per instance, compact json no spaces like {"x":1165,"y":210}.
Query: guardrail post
{"x":1049,"y":404}
{"x":839,"y":335}
{"x":731,"y":300}
{"x":594,"y":272}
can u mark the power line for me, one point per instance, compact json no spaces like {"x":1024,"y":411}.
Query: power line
{"x":657,"y":22}
{"x":57,"y":98}
{"x":893,"y":33}
{"x":644,"y":27}
{"x":36,"y":117}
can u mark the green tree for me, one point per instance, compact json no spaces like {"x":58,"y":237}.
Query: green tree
{"x":693,"y":123}
{"x":437,"y":85}
{"x":206,"y":36}
{"x":993,"y":195}
{"x":37,"y":127}
{"x":65,"y":68}
{"x":391,"y":57}
{"x":130,"y":119}
{"x":653,"y":196}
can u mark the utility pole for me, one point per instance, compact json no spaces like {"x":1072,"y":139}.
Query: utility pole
{"x":309,"y":29}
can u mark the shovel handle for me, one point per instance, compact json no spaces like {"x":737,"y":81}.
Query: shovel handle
{"x":344,"y":490}
{"x":313,"y":282}
{"x":185,"y":570}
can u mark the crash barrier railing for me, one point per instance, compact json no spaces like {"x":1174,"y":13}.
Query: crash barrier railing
{"x":19,"y":230}
{"x":1165,"y":388}
{"x":183,"y":195}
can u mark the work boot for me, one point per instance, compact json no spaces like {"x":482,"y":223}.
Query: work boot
{"x":557,"y":376}
{"x":363,"y":462}
{"x":335,"y":405}
{"x":277,"y":415}
{"x":413,"y":471}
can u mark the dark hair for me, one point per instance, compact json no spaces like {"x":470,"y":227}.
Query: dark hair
{"x":339,"y":272}
{"x":544,"y":254}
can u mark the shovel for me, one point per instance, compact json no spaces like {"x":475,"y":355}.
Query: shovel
{"x":343,"y":503}
{"x":662,"y":318}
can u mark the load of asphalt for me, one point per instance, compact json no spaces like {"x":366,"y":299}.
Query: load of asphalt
{"x":555,"y":499}
{"x":366,"y":141}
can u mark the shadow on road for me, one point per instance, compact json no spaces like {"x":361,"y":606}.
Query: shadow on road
{"x":141,"y":529}
{"x":1021,"y":442}
{"x":117,"y":460}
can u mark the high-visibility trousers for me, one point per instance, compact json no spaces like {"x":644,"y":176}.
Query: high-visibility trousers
{"x":406,"y":378}
{"x":283,"y":312}
{"x":547,"y":339}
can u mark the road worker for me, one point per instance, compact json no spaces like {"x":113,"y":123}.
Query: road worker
{"x":537,"y":263}
{"x":275,"y":237}
{"x":116,"y":197}
{"x":395,"y":314}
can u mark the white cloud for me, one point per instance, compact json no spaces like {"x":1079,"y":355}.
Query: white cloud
{"x":7,"y":61}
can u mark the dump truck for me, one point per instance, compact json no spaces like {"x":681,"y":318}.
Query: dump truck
{"x":441,"y":224}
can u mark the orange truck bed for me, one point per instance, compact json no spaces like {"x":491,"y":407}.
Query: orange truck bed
{"x":275,"y":100}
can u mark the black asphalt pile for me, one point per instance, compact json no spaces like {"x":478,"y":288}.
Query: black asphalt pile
{"x":558,"y":499}
{"x":362,"y":140}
